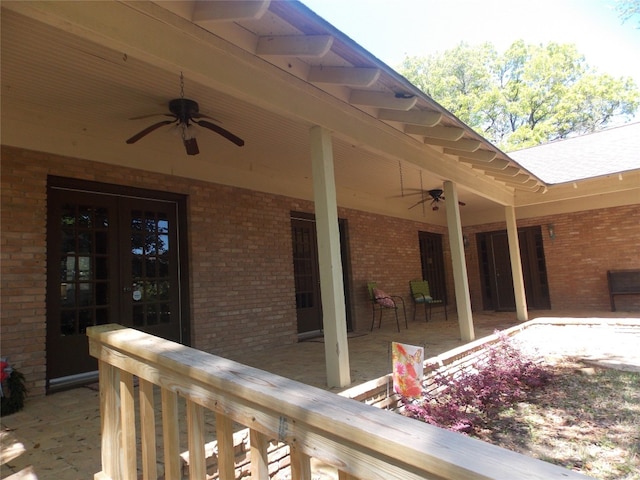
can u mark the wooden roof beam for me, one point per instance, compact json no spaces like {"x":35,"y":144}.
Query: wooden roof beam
{"x":479,"y":155}
{"x":425,"y":118}
{"x":381,"y":100}
{"x":442,"y":132}
{"x":295,"y":45}
{"x":348,"y":76}
{"x":465,"y":144}
{"x":498,"y":165}
{"x":519,"y":178}
{"x":229,"y":11}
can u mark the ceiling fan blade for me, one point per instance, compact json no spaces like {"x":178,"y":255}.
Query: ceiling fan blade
{"x":191,"y":146}
{"x":462,"y":204}
{"x":225,"y":133}
{"x":148,"y":130}
{"x":140,"y":117}
{"x":418,"y":203}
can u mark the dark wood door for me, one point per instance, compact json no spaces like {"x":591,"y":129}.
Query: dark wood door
{"x":432,"y":261}
{"x":306,"y":271}
{"x":306,"y":275}
{"x":503,"y":278}
{"x":111,"y":259}
{"x":496,"y":273}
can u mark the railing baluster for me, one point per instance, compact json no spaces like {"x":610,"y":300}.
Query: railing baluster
{"x":364,"y":442}
{"x":226,"y":451}
{"x":109,"y":378}
{"x":300,"y":464}
{"x":128,"y":413}
{"x":259,"y":444}
{"x":171,"y":434}
{"x":148,"y":431}
{"x":195,"y":432}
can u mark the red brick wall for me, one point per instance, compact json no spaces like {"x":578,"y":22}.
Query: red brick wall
{"x":587,"y":244}
{"x":241,"y":273}
{"x":386,"y":250}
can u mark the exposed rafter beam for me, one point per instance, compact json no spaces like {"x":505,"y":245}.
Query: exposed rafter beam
{"x":445,"y":133}
{"x":349,"y":76}
{"x":381,"y":100}
{"x":530,"y":186}
{"x":295,"y":45}
{"x":465,"y":144}
{"x":226,"y":10}
{"x":499,"y":165}
{"x":173,"y":43}
{"x":480,"y":155}
{"x":519,"y":178}
{"x":425,"y":118}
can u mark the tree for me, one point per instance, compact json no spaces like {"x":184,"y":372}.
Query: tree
{"x":530,"y":94}
{"x":627,"y":9}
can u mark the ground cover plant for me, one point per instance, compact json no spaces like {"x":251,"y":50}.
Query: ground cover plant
{"x":562,"y":410}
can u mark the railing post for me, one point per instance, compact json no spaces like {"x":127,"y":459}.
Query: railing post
{"x":109,"y":378}
{"x":226,"y":451}
{"x":300,"y":464}
{"x":195,"y":432}
{"x":147,"y":431}
{"x":171,"y":434}
{"x":128,"y":415}
{"x":259,"y":455}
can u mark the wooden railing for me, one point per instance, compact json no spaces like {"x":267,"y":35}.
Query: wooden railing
{"x":360,"y":441}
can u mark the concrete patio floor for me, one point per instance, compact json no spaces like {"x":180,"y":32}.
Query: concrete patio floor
{"x":58,"y":436}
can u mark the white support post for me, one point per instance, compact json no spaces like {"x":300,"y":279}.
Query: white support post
{"x":463,"y":298}
{"x":329,"y":258}
{"x":516,"y":264}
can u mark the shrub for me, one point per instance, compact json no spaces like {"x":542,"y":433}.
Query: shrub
{"x":465,"y":401}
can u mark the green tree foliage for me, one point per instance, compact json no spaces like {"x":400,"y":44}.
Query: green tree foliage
{"x":530,"y":94}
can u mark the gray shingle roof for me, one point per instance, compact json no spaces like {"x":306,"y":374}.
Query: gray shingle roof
{"x":605,"y":152}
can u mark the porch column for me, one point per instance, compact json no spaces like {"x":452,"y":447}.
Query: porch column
{"x":336,"y":348}
{"x":516,"y":264}
{"x":463,"y":299}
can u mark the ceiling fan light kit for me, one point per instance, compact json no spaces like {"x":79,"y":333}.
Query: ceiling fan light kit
{"x":186,"y":114}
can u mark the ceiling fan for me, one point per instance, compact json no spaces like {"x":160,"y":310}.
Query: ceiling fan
{"x":435,"y":195}
{"x":185,"y":114}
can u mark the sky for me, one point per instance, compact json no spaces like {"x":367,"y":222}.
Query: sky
{"x":393,"y":29}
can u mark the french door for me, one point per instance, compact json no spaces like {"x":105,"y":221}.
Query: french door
{"x":496,"y":273}
{"x":111,"y":259}
{"x":306,"y":272}
{"x":432,"y":262}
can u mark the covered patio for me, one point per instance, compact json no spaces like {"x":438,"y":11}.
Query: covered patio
{"x":58,"y":436}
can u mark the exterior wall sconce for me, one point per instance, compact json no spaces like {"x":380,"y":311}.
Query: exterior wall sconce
{"x":465,"y":241}
{"x":552,"y":231}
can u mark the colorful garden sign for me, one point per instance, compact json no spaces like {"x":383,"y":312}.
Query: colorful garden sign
{"x":407,"y":369}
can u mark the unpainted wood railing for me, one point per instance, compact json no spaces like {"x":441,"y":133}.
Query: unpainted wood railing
{"x":360,"y":441}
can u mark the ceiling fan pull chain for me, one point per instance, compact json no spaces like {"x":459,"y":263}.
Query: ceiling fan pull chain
{"x":401,"y":179}
{"x":181,"y":85}
{"x":422,"y":193}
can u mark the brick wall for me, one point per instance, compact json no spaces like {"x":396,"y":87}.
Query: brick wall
{"x":386,"y":250}
{"x":587,"y":244}
{"x":241,"y":273}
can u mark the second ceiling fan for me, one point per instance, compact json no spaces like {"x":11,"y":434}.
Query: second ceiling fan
{"x":435,"y":195}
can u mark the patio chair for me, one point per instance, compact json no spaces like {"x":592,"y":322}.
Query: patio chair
{"x":421,"y":294}
{"x":381,"y":301}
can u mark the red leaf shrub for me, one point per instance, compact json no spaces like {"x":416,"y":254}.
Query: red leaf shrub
{"x":464,"y":401}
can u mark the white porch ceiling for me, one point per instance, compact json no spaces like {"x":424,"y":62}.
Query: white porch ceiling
{"x":71,"y":81}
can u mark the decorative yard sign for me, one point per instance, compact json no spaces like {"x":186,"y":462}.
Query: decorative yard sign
{"x":406,"y":361}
